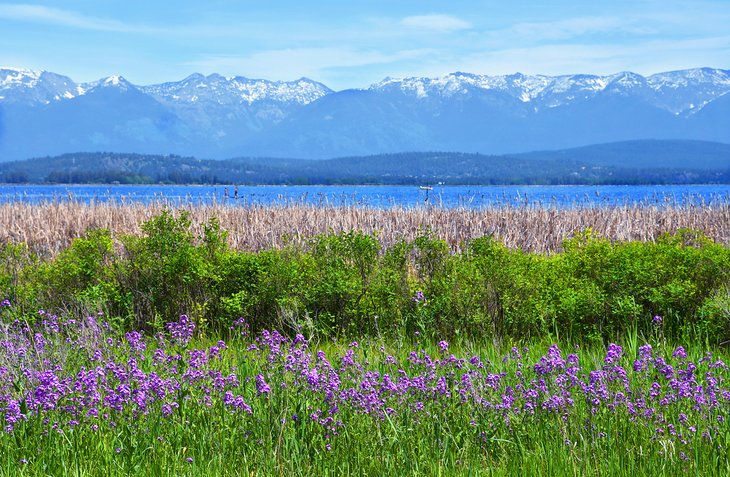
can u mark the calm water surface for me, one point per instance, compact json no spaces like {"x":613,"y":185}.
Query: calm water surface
{"x":372,"y":196}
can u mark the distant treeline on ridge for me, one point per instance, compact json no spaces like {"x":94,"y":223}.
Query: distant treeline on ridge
{"x":632,"y":162}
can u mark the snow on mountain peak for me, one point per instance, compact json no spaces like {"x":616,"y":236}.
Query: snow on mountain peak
{"x":685,"y":91}
{"x":114,"y":80}
{"x":691,"y":88}
{"x":523,"y":87}
{"x":15,"y":76}
{"x":34,"y":87}
{"x":237,"y":90}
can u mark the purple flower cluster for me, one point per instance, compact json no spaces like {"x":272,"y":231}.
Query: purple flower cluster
{"x":118,"y":378}
{"x":181,"y":331}
{"x":79,"y":373}
{"x":419,"y":297}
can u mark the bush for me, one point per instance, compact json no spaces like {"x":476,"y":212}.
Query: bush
{"x":346,"y":284}
{"x":166,"y":273}
{"x":81,"y":278}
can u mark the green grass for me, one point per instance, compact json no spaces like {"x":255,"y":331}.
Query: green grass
{"x":447,"y":436}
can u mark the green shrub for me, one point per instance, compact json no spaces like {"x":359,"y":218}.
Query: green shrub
{"x":347,"y":284}
{"x":17,"y":283}
{"x":167,"y":273}
{"x":81,"y":278}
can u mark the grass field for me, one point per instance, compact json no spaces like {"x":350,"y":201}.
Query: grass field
{"x":400,"y":352}
{"x":78,"y":398}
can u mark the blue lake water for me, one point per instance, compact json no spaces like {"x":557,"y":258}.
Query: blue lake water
{"x":372,"y":196}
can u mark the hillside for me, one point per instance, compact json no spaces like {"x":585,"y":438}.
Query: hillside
{"x":632,"y":162}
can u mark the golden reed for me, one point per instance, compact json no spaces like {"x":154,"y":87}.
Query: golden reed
{"x":48,"y":228}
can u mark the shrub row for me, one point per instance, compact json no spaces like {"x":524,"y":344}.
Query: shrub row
{"x":348,"y":284}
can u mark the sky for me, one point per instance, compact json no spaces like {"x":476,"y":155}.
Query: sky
{"x":354,"y":43}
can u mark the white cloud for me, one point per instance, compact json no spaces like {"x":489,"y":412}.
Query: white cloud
{"x":56,"y":16}
{"x":436,"y":23}
{"x":642,"y":57}
{"x":287,"y":64}
{"x":575,"y":27}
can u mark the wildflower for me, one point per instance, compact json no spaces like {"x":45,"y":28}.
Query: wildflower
{"x":419,"y":297}
{"x":182,"y":330}
{"x":657,"y":320}
{"x":613,"y":354}
{"x":189,"y":460}
{"x":261,"y":386}
{"x":241,"y":323}
{"x":5,"y":303}
{"x":443,"y":346}
{"x":679,"y":353}
{"x":349,"y":358}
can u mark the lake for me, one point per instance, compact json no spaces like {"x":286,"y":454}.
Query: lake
{"x":373,"y":196}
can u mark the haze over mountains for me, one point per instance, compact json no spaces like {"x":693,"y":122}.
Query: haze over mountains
{"x":44,"y":113}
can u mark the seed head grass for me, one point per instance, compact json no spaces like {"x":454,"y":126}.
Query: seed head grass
{"x":50,"y":227}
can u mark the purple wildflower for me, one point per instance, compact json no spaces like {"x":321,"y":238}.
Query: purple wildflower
{"x":181,"y":331}
{"x":261,"y":386}
{"x":419,"y":297}
{"x":679,"y":353}
{"x":613,"y":354}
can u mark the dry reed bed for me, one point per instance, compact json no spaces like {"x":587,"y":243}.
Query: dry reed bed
{"x":50,"y":227}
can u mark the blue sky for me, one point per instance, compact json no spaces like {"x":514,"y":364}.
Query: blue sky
{"x":351,"y":44}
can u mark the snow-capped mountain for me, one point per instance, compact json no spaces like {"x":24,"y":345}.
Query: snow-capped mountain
{"x":43,"y":87}
{"x":31,"y":88}
{"x":684,"y":91}
{"x":44,"y":113}
{"x":229,"y":108}
{"x":238,"y":90}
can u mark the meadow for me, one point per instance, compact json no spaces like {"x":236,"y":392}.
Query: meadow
{"x":79,"y":398}
{"x":303,"y":341}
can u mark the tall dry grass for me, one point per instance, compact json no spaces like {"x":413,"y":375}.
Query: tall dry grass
{"x":50,"y":227}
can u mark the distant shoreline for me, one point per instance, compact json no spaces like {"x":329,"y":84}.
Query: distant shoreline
{"x":645,"y":162}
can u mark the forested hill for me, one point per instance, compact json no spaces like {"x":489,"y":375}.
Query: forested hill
{"x":632,"y":162}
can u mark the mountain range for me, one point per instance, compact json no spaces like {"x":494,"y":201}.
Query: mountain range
{"x":45,"y":114}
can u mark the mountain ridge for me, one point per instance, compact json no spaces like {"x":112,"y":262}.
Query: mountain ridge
{"x":45,"y":113}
